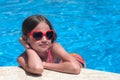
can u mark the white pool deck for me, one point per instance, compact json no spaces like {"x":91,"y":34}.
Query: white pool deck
{"x":17,"y":73}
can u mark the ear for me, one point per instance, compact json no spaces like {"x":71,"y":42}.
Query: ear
{"x":26,"y":38}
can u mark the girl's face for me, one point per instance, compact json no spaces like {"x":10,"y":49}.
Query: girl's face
{"x":42,"y":44}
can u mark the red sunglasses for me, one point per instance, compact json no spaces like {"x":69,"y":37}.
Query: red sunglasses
{"x":38,"y":35}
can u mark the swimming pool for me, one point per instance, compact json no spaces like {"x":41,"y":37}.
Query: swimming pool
{"x":88,"y":27}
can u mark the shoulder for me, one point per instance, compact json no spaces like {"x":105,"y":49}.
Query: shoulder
{"x":58,"y":50}
{"x":56,"y":45}
{"x":54,"y":51}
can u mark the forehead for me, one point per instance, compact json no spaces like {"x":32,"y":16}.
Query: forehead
{"x":42,"y":26}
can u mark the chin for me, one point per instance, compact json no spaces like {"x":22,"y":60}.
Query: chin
{"x":43,"y":49}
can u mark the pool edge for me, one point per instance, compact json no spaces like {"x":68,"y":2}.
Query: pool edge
{"x":17,"y":73}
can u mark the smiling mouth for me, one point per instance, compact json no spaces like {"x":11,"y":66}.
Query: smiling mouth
{"x":43,"y":45}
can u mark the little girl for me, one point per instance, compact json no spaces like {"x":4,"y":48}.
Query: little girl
{"x":41,"y":50}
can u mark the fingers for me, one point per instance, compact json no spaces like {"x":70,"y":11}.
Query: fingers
{"x":24,"y":43}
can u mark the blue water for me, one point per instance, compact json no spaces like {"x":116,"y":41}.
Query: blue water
{"x":88,"y":27}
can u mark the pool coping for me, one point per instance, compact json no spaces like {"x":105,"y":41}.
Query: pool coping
{"x":17,"y":73}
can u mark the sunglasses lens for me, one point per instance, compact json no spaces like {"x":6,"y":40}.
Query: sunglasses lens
{"x":37,"y":35}
{"x":49,"y":34}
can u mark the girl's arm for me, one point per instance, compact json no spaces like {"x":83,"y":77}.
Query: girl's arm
{"x":68,"y":65}
{"x":30,"y":60}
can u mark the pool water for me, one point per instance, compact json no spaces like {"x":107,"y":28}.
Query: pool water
{"x":90,"y":28}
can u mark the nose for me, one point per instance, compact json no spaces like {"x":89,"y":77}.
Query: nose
{"x":44,"y":39}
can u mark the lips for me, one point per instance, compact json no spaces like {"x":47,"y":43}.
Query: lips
{"x":43,"y":45}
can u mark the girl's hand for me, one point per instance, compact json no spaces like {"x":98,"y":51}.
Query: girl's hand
{"x":24,"y":43}
{"x":43,"y":63}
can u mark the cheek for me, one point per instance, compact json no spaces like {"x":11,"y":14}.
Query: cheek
{"x":35,"y":44}
{"x":49,"y":42}
{"x":31,"y":42}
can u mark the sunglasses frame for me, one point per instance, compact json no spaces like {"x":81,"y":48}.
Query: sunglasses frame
{"x":43,"y":34}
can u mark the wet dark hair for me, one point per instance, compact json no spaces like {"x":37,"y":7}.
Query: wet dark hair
{"x":32,"y":21}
